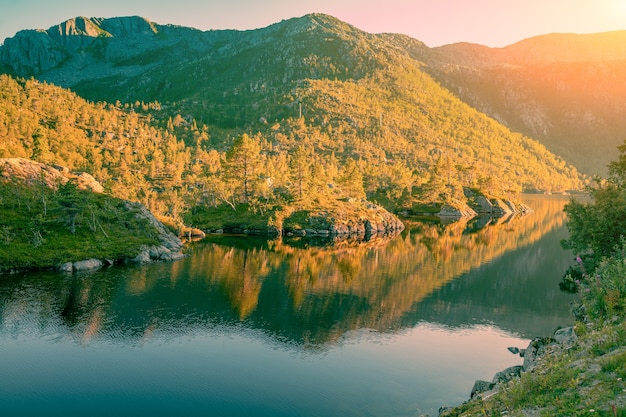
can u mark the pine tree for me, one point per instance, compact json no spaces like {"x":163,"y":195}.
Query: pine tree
{"x":71,"y":201}
{"x":300,"y":170}
{"x":243,"y":166}
{"x":351,"y":180}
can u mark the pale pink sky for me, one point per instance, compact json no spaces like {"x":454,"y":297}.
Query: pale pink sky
{"x":435,"y":22}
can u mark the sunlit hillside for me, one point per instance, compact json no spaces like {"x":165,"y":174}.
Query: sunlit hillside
{"x":566,"y":90}
{"x":318,"y":99}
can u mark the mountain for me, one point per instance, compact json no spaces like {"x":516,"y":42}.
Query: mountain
{"x":565,"y":90}
{"x":324,"y":108}
{"x":78,"y":43}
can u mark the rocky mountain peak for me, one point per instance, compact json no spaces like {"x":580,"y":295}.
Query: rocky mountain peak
{"x":78,"y":26}
{"x":312,"y":22}
{"x":121,"y":27}
{"x":88,"y":40}
{"x":129,"y":26}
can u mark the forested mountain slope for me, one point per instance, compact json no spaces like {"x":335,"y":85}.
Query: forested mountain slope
{"x":127,"y":155}
{"x":566,"y":90}
{"x":322,"y":107}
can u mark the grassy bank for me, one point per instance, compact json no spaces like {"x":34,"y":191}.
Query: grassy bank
{"x":587,"y":378}
{"x":43,"y":228}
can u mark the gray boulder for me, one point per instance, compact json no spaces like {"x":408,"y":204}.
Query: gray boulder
{"x":457,"y":210}
{"x":156,"y":253}
{"x":566,"y":336}
{"x":535,"y":349}
{"x":481,"y":386}
{"x":87,"y":265}
{"x":143,"y":257}
{"x":508,"y":374}
{"x":484,"y":205}
{"x":67,"y":267}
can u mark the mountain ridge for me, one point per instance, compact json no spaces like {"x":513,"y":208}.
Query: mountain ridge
{"x":566,"y":91}
{"x":543,"y":49}
{"x":376,"y":99}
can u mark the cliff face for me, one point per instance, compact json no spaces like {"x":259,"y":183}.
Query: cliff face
{"x":31,"y":52}
{"x":80,"y":42}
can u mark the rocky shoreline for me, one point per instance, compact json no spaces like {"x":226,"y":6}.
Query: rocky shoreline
{"x":27,"y":173}
{"x":359,"y":219}
{"x":169,"y":249}
{"x":478,"y":203}
{"x":533,"y":355}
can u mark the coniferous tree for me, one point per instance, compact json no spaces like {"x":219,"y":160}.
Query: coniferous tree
{"x":71,"y":201}
{"x":300,"y":171}
{"x":243,"y":166}
{"x":351,"y":180}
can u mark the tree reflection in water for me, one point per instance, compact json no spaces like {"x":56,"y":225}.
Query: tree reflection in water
{"x":299,"y":292}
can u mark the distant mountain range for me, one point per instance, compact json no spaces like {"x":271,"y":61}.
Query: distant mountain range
{"x":466,"y":101}
{"x":567,"y":91}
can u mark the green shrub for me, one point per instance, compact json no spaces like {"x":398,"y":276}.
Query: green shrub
{"x":604,"y":291}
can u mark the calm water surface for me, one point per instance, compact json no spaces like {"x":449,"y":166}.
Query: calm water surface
{"x":244,"y":327}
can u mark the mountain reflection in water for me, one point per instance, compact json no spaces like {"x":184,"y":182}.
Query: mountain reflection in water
{"x":277,"y":328}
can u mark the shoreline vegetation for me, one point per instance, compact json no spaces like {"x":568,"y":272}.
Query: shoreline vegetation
{"x":582,"y":370}
{"x":54,"y":218}
{"x":51,"y":218}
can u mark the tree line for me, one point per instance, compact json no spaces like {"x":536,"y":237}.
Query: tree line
{"x":171,"y":162}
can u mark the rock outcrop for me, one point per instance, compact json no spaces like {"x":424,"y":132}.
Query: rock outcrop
{"x":349,"y":218}
{"x":354,"y":218}
{"x":457,"y":210}
{"x":170,"y":247}
{"x":532,"y":354}
{"x":31,"y":172}
{"x":477,"y":204}
{"x":496,"y":207}
{"x":86,"y":265}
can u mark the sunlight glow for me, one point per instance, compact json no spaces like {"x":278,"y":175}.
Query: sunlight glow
{"x":619,"y":6}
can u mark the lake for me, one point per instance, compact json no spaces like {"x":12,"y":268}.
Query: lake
{"x":243,"y":326}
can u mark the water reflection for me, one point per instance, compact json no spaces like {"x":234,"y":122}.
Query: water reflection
{"x":458,"y":274}
{"x":284,"y":328}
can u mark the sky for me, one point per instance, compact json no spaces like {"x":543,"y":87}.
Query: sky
{"x":494,"y":23}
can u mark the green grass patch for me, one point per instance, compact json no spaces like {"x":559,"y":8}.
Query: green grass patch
{"x":226,"y":218}
{"x":41,"y":228}
{"x":616,"y":364}
{"x":543,"y":390}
